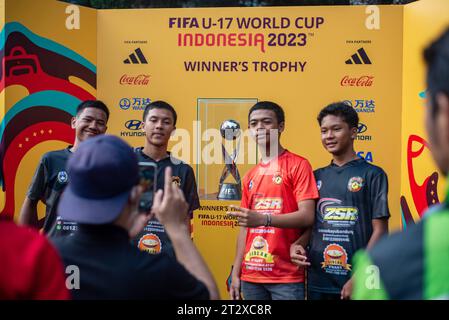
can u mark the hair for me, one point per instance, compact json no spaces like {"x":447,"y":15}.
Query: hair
{"x":342,"y":110}
{"x":92,"y":104}
{"x":436,"y":57}
{"x":268,"y":105}
{"x":160,"y":105}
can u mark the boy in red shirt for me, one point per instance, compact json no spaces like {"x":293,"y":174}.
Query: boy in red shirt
{"x":30,"y":268}
{"x":281,"y":183}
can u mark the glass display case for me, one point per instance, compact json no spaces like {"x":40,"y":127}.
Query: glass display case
{"x":225,"y":150}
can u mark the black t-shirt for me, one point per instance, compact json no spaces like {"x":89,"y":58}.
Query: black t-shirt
{"x":109,"y":267}
{"x":154,"y":233}
{"x":351,"y":196}
{"x":47,"y":185}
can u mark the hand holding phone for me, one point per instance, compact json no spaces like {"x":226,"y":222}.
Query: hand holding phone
{"x":148,"y":176}
{"x":170,"y":206}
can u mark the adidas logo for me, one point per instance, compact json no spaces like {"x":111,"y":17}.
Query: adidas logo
{"x":360,"y":57}
{"x":136,"y":58}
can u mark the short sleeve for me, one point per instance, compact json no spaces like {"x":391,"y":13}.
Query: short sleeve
{"x":190,"y":190}
{"x":379,"y":196}
{"x":304,"y":184}
{"x":36,"y":190}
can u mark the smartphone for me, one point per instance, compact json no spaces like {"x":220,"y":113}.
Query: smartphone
{"x":148,"y":176}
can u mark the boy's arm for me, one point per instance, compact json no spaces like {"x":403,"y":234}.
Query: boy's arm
{"x":237,"y":266}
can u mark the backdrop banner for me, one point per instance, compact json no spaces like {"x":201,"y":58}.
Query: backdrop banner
{"x":212,"y":65}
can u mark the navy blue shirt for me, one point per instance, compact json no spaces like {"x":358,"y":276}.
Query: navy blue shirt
{"x":112,"y":268}
{"x":49,"y":181}
{"x":153,"y":238}
{"x":351,"y":196}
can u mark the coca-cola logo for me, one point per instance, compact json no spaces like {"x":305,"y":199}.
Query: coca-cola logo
{"x":363,"y":81}
{"x":139,"y":80}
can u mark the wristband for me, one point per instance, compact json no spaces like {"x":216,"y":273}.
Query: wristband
{"x":268,"y":220}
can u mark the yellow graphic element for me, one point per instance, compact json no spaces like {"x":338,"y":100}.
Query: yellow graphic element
{"x":340,"y":213}
{"x":268,"y":204}
{"x":355,"y":187}
{"x":150,"y":243}
{"x":355,"y":184}
{"x":259,"y":249}
{"x":12,"y":95}
{"x":177,"y":180}
{"x":335,"y":255}
{"x":2,"y":199}
{"x":268,"y":257}
{"x":277,"y":179}
{"x":83,"y":84}
{"x":216,"y":243}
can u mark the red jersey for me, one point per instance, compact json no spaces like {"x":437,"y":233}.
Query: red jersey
{"x":276,"y":188}
{"x":30,"y":268}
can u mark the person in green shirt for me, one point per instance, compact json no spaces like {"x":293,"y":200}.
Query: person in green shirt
{"x":414,"y":264}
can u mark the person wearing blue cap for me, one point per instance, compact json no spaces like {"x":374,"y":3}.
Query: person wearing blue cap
{"x":102,"y":197}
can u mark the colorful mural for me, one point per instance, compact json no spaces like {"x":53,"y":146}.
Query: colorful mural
{"x":425,"y":194}
{"x":49,"y":72}
{"x":422,"y":185}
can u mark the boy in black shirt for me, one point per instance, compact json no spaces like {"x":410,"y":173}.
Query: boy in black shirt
{"x":352,"y":212}
{"x":51,"y":177}
{"x":102,"y":196}
{"x":159,"y":122}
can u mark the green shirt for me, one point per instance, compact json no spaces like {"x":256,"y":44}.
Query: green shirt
{"x":413,"y":264}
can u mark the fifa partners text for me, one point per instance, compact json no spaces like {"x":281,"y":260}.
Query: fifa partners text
{"x":301,"y":27}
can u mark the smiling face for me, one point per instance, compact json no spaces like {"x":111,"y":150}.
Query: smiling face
{"x":158,"y":126}
{"x":336,"y":136}
{"x":90,"y":122}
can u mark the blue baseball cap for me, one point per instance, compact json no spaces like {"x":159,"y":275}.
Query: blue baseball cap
{"x":102,"y":173}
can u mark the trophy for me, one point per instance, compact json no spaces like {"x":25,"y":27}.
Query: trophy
{"x":230,"y":130}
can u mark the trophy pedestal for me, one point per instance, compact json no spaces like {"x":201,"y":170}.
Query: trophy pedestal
{"x":230,"y":191}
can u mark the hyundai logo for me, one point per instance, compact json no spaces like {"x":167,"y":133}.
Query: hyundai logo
{"x":133,"y":125}
{"x":361,"y":128}
{"x":125,"y":103}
